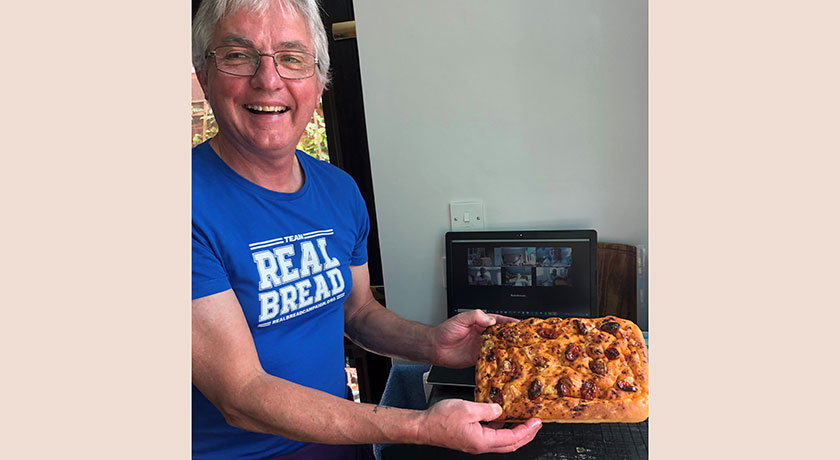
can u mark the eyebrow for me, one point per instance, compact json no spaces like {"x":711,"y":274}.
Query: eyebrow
{"x":237,"y":39}
{"x":293,"y":45}
{"x":240,"y":40}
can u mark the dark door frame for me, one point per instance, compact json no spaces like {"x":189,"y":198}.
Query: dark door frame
{"x":344,"y":115}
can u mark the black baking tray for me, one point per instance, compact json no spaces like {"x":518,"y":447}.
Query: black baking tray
{"x":557,"y":441}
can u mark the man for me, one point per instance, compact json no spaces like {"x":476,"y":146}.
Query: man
{"x":484,"y":277}
{"x":280,"y":265}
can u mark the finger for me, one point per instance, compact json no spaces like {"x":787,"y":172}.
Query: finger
{"x":495,"y":425}
{"x":501,"y":319}
{"x":508,"y":440}
{"x":532,"y":425}
{"x":525,"y":440}
{"x":528,"y":430}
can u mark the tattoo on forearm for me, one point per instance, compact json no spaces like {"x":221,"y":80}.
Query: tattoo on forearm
{"x":377,"y":407}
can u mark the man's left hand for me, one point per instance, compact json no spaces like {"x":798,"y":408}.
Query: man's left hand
{"x":457,"y":340}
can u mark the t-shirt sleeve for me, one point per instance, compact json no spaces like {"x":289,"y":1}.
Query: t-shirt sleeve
{"x":360,"y":253}
{"x":208,"y":275}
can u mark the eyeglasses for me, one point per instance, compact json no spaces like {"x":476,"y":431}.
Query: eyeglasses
{"x":244,"y":61}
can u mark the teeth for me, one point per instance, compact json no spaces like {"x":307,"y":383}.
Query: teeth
{"x":267,"y":108}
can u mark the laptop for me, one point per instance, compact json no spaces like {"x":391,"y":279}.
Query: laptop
{"x":520,"y":274}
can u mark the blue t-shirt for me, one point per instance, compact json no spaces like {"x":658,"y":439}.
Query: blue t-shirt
{"x":287,"y":257}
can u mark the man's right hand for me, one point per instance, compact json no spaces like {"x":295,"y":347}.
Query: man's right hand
{"x":455,"y":424}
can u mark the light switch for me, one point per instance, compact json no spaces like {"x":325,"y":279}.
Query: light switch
{"x":466,"y":215}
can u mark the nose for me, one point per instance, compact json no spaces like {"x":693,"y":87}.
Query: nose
{"x":267,"y":76}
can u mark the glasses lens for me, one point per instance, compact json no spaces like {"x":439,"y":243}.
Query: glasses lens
{"x":244,"y":61}
{"x":295,"y":64}
{"x":237,"y":60}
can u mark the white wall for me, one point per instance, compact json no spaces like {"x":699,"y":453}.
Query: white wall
{"x":537,"y":107}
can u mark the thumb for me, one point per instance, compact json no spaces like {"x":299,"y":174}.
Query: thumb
{"x":483,"y":319}
{"x":473,"y":317}
{"x":487,"y":412}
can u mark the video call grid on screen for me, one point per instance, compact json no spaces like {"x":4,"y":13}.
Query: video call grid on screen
{"x":522,"y":274}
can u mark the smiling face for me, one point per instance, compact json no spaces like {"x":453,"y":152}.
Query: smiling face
{"x":265,"y":114}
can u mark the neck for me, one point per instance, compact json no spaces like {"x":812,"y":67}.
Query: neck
{"x":279,"y":172}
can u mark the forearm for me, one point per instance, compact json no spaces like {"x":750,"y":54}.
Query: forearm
{"x":382,"y":331}
{"x":276,"y":406}
{"x":271,"y":405}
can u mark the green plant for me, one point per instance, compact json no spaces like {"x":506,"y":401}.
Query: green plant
{"x":208,"y":124}
{"x":314,"y":139}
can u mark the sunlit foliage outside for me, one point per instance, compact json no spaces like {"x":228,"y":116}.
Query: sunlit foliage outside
{"x":313,"y":141}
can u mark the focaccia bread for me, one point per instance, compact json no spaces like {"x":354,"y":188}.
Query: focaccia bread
{"x":565,"y":370}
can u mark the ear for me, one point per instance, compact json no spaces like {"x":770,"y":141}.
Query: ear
{"x":201,"y":76}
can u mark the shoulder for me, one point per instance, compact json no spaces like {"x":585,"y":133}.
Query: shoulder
{"x":211,"y":181}
{"x":203,"y":163}
{"x":201,"y":151}
{"x":330,"y":175}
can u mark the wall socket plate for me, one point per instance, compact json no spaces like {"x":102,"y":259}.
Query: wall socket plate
{"x":466,"y":215}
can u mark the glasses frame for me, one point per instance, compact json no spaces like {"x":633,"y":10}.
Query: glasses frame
{"x":260,"y":55}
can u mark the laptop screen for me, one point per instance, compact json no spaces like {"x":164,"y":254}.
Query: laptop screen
{"x":522,"y":273}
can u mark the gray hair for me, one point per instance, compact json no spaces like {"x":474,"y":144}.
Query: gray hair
{"x":211,"y":11}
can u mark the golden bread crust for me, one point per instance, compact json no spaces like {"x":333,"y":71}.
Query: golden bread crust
{"x":586,"y":370}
